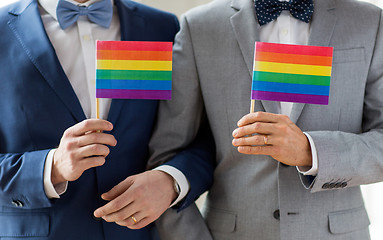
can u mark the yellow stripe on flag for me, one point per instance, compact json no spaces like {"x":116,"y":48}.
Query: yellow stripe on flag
{"x":292,"y":68}
{"x":134,"y":65}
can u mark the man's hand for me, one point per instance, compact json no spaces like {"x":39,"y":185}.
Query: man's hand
{"x":263,"y":133}
{"x":82,"y":146}
{"x":143,"y":197}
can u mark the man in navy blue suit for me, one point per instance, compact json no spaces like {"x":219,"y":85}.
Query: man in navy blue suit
{"x":61,"y":169}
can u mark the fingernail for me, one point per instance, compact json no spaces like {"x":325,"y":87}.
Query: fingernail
{"x":95,"y":213}
{"x":235,"y":133}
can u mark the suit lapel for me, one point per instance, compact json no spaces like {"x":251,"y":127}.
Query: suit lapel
{"x":28,"y":28}
{"x":132,"y":29}
{"x":322,"y":27}
{"x":246,"y":29}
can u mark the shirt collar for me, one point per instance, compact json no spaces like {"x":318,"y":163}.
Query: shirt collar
{"x":50,"y":5}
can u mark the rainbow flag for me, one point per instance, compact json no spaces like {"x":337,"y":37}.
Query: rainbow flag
{"x":292,"y":73}
{"x":134,"y":70}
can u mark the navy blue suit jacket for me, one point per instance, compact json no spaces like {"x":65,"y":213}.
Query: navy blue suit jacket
{"x":37,"y":104}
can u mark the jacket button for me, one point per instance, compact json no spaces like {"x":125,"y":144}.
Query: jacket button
{"x":338,"y":185}
{"x":276,"y":214}
{"x":17,"y":203}
{"x":332,"y":185}
{"x":326,"y":186}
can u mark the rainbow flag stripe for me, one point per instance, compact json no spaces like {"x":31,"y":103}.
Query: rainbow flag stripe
{"x":134,"y":70}
{"x":292,"y":73}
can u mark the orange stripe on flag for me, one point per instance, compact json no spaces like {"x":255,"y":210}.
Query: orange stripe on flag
{"x":134,"y":55}
{"x":293,"y":58}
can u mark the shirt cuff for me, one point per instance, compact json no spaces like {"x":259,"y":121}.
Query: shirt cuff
{"x":313,"y":171}
{"x":50,"y":190}
{"x":180,"y":178}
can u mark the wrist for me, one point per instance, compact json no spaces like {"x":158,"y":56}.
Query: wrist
{"x":170,"y":183}
{"x":56,"y":177}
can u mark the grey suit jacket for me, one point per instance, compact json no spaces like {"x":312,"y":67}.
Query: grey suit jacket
{"x":255,"y":197}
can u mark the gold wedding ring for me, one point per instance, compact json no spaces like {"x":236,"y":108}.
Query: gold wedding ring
{"x":134,"y":219}
{"x":265,"y":139}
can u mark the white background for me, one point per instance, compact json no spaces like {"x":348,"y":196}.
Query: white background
{"x":373,"y":193}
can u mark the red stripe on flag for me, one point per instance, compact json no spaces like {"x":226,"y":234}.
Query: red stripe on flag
{"x":134,"y":46}
{"x":294,"y":49}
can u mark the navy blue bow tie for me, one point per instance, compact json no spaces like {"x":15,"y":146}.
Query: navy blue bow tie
{"x":268,"y":10}
{"x":99,"y":12}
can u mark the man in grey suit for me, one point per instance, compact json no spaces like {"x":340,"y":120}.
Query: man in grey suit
{"x":299,"y":176}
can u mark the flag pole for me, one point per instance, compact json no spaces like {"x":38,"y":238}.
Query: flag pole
{"x":97,"y":108}
{"x":252,"y":106}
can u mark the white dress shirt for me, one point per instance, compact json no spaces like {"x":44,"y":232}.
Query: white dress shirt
{"x":288,"y":30}
{"x":79,"y":63}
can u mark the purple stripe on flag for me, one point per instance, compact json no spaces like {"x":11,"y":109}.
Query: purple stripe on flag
{"x":290,"y":97}
{"x":134,"y":94}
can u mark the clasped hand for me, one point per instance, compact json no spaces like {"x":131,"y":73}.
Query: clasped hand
{"x":263,"y":133}
{"x":136,"y":201}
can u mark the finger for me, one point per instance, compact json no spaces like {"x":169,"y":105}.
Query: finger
{"x":142,"y":223}
{"x":257,"y":150}
{"x":113,"y":206}
{"x":124,"y":214}
{"x":130,"y":222}
{"x":91,"y":162}
{"x":258,"y":117}
{"x":254,"y":128}
{"x":118,"y":189}
{"x":94,"y":150}
{"x":89,"y":125}
{"x":96,"y":138}
{"x":251,"y":141}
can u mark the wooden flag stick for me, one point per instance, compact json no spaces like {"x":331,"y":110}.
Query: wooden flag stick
{"x":97,"y":108}
{"x":252,"y":106}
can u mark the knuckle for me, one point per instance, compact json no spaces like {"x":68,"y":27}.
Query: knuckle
{"x":256,"y":126}
{"x":117,"y":204}
{"x":284,"y":117}
{"x":255,"y":149}
{"x":139,"y":191}
{"x":96,"y":148}
{"x":86,"y":124}
{"x":282,"y":128}
{"x":67,"y":132}
{"x":70,"y":145}
{"x":71,"y":156}
{"x":96,"y":138}
{"x":259,"y":114}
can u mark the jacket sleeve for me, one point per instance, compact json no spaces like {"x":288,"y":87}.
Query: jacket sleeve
{"x":351,"y":159}
{"x":21,"y":180}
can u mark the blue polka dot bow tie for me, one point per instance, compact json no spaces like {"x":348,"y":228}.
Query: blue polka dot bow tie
{"x":268,"y":10}
{"x":99,"y":12}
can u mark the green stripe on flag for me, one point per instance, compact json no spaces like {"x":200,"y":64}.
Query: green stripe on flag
{"x":133,"y":75}
{"x":291,"y":78}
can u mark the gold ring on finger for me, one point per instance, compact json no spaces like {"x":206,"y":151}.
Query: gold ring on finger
{"x":134,"y":219}
{"x":265,"y":139}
